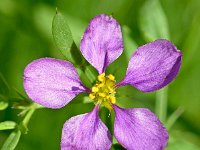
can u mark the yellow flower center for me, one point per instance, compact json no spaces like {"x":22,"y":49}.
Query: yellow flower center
{"x":103,"y":92}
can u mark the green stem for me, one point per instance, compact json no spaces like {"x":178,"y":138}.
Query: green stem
{"x":161,"y":103}
{"x":173,"y":118}
{"x":29,"y":114}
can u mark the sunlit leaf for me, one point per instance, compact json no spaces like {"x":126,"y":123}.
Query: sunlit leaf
{"x":7,"y":125}
{"x":12,"y":141}
{"x":62,"y":35}
{"x":152,"y":21}
{"x":3,"y":105}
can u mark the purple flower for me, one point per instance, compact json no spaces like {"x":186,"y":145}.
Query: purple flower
{"x":54,"y":83}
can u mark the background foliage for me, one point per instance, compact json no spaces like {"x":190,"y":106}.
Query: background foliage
{"x":26,"y":34}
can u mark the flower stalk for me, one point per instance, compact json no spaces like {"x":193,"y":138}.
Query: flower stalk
{"x":161,"y":103}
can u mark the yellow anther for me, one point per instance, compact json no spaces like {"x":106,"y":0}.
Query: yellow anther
{"x":101,"y":77}
{"x":102,"y":95}
{"x":112,"y":99}
{"x":111,"y":77}
{"x":91,"y":96}
{"x":95,"y":89}
{"x":100,"y":85}
{"x":103,"y":92}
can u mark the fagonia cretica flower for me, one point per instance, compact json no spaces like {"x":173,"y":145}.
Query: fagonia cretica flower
{"x":53,"y":83}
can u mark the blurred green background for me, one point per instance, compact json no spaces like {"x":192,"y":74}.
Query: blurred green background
{"x":26,"y":34}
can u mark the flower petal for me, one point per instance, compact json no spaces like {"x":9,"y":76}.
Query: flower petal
{"x":86,"y":132}
{"x":102,"y":42}
{"x":139,"y":129}
{"x":51,"y":82}
{"x":153,"y":66}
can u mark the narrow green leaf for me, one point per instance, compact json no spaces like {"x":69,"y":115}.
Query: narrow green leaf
{"x":77,"y":27}
{"x":3,"y":105}
{"x":153,"y":22}
{"x":84,"y":78}
{"x":29,"y":115}
{"x":62,"y":35}
{"x":6,"y":125}
{"x":20,"y":94}
{"x":91,"y":73}
{"x":4,"y":88}
{"x":23,"y":126}
{"x":173,"y":118}
{"x":12,"y":141}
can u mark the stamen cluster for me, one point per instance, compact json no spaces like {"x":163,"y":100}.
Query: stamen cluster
{"x":103,"y":92}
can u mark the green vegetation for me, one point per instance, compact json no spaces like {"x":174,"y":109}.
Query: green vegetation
{"x":26,"y":34}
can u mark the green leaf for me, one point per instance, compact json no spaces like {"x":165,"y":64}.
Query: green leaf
{"x":3,"y":105}
{"x":117,"y":147}
{"x":174,"y":117}
{"x":12,"y":141}
{"x":7,"y":125}
{"x":77,"y":27}
{"x":62,"y":35}
{"x":61,"y":32}
{"x":20,"y":94}
{"x":23,"y":128}
{"x":119,"y":66}
{"x":153,"y":22}
{"x":86,"y":99}
{"x":107,"y":117}
{"x":91,"y":73}
{"x":27,"y":119}
{"x":4,"y":88}
{"x":84,"y":78}
{"x":181,"y":144}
